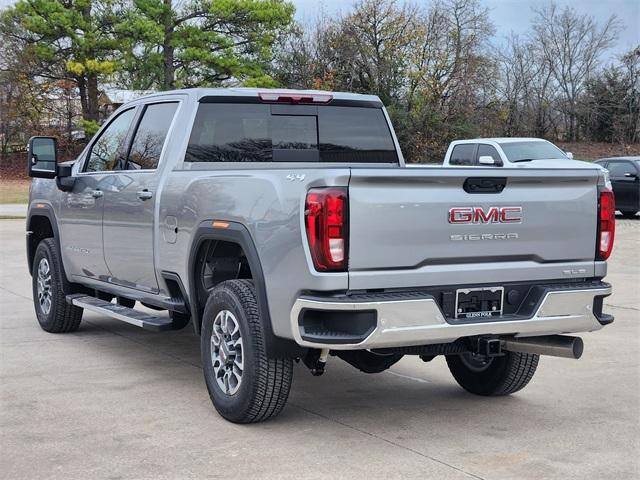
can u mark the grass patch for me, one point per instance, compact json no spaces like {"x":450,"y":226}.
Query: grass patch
{"x":14,"y":191}
{"x":11,"y":217}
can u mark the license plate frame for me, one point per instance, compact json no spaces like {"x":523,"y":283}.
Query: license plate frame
{"x":488,"y":294}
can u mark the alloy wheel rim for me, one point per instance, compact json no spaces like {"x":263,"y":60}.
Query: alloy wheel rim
{"x":44,"y":286}
{"x":227,"y":353}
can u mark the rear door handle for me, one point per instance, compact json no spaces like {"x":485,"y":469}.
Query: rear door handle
{"x":144,"y":194}
{"x":97,"y":193}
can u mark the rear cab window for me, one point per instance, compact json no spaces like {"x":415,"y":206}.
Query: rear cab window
{"x":241,"y":132}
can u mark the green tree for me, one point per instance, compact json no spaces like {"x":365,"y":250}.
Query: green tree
{"x":72,"y":40}
{"x":204,"y":42}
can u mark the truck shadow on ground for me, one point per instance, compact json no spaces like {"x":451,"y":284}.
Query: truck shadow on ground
{"x":410,"y":391}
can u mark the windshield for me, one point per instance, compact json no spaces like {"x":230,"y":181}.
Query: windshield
{"x":525,"y":151}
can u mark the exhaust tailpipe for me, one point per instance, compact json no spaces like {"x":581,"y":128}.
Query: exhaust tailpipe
{"x":553,"y":345}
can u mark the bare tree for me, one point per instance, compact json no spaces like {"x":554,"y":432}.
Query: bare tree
{"x":572,"y":45}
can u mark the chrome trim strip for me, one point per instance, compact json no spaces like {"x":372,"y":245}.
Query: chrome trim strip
{"x":421,"y":322}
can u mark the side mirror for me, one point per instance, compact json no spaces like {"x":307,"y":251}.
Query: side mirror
{"x":489,"y":160}
{"x":42,"y":157}
{"x":569,"y":155}
{"x":630,"y":175}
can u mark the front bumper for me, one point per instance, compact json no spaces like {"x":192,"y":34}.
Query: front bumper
{"x":415,"y":318}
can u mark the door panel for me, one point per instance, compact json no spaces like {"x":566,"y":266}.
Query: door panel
{"x":130,"y":199}
{"x":128,"y":230}
{"x":81,"y":209}
{"x":80,"y":225}
{"x":625,"y":188}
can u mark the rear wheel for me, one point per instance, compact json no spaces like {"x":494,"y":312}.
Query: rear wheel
{"x":244,"y":384}
{"x":54,"y":314}
{"x":493,"y":376}
{"x":628,"y":214}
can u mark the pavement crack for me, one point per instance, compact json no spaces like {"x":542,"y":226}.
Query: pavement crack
{"x":623,"y":308}
{"x":390,"y":442}
{"x":14,"y":293}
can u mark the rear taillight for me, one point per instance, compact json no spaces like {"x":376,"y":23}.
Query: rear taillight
{"x":606,"y":223}
{"x":327,"y":228}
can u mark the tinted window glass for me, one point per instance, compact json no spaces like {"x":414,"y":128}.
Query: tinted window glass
{"x":349,"y":134}
{"x":488,"y":151}
{"x":106,"y":153}
{"x":463,"y":154}
{"x":150,"y":136}
{"x":258,"y":133}
{"x":294,"y":131}
{"x":524,"y":151}
{"x":618,"y":169}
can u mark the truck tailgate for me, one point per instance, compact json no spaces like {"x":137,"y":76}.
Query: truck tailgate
{"x":401,"y":230}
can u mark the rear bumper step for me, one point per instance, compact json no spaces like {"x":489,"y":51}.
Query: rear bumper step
{"x":125,"y":314}
{"x":408,"y":319}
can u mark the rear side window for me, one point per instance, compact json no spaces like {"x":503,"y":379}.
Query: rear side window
{"x":463,"y":154}
{"x":289,"y":133}
{"x":150,"y":136}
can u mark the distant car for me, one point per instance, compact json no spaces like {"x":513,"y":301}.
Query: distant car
{"x":498,"y":152}
{"x":625,"y":179}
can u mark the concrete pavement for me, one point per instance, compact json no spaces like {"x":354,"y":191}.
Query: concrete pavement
{"x":13,"y":210}
{"x":113,"y":401}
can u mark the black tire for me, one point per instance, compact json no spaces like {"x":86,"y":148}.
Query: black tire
{"x":628,"y":214}
{"x":265,"y":382}
{"x":369,"y":362}
{"x":59,"y":317}
{"x":498,"y":376}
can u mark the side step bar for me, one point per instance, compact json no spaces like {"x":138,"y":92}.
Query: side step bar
{"x":129,"y":315}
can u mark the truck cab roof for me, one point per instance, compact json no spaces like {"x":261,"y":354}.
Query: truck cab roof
{"x":200,"y":93}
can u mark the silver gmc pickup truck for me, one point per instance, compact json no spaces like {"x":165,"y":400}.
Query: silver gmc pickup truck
{"x":284,"y":226}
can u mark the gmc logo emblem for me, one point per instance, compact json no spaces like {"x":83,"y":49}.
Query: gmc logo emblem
{"x":489,"y":215}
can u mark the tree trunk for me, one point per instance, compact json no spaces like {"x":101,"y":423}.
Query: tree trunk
{"x":82,"y":88}
{"x":168,"y":80}
{"x":92,"y":112}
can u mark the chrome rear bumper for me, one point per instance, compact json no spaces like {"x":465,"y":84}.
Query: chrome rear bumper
{"x":419,"y":321}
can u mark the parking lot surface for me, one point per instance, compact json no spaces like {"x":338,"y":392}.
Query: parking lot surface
{"x":113,"y":401}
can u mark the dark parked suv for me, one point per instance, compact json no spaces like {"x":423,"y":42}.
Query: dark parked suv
{"x":625,"y":179}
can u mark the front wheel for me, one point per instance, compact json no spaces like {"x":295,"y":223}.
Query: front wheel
{"x":54,"y":314}
{"x":493,"y":376}
{"x":244,"y":384}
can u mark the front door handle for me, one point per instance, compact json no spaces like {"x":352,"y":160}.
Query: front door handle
{"x":97,"y":193}
{"x":144,"y":194}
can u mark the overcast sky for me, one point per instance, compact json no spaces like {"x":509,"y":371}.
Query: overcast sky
{"x":509,"y":15}
{"x":516,"y":15}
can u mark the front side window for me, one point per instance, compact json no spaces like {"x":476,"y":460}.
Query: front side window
{"x":265,"y":133}
{"x":150,"y":136}
{"x":107,"y":152}
{"x":463,"y":154}
{"x":618,"y":169}
{"x":488,"y":151}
